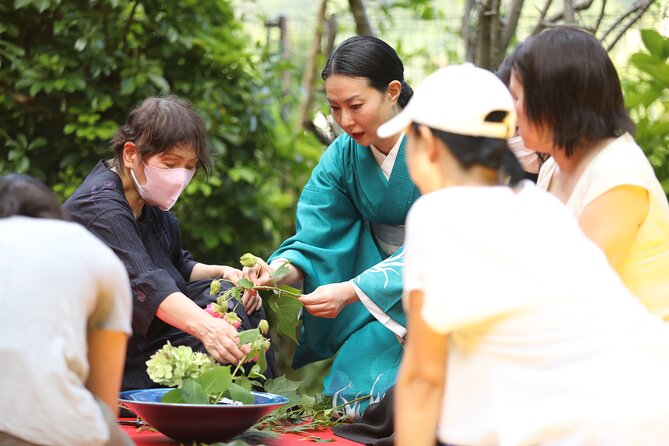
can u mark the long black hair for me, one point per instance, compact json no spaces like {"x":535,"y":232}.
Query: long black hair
{"x":371,"y":58}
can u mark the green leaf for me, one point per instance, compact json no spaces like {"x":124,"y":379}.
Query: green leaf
{"x":127,"y":86}
{"x":239,"y":393}
{"x":236,"y":293}
{"x":18,"y":4}
{"x":292,"y":291}
{"x":174,"y":396}
{"x":284,"y":387}
{"x":655,"y":43}
{"x":159,"y":82}
{"x":37,"y":143}
{"x":249,"y":336}
{"x":652,"y":65}
{"x":245,"y":283}
{"x":80,"y":44}
{"x":216,"y":380}
{"x":255,"y":372}
{"x":193,"y":393}
{"x":262,"y":362}
{"x":283,"y":312}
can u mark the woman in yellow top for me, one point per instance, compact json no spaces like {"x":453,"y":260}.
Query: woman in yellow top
{"x":570,"y":105}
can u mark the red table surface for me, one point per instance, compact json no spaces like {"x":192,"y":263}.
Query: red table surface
{"x":149,"y":437}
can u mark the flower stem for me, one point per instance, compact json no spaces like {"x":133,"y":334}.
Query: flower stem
{"x":274,"y":288}
{"x":239,"y":365}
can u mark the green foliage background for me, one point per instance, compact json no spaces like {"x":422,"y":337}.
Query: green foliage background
{"x":71,"y":70}
{"x":647,"y":98}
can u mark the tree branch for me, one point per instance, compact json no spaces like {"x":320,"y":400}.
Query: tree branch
{"x":362,"y":25}
{"x":128,"y":22}
{"x":634,"y":13}
{"x":568,"y":12}
{"x":600,"y":18}
{"x":511,"y":25}
{"x":585,"y":4}
{"x":467,"y":33}
{"x":331,"y":25}
{"x":495,"y":35}
{"x":307,"y":97}
{"x":542,"y":16}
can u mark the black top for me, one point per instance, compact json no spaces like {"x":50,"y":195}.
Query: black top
{"x":150,"y":249}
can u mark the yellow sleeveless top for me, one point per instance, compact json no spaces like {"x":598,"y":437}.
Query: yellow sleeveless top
{"x":645,"y":272}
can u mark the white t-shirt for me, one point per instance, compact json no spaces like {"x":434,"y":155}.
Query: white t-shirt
{"x":546,"y":344}
{"x":57,"y":283}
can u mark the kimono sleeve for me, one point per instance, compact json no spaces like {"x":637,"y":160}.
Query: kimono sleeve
{"x":382,"y":285}
{"x":331,"y":239}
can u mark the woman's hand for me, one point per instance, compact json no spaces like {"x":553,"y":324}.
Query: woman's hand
{"x":202,"y":271}
{"x":231,"y":274}
{"x":328,"y":300}
{"x":261,"y":274}
{"x":221,"y":340}
{"x":251,"y":300}
{"x":217,"y":335}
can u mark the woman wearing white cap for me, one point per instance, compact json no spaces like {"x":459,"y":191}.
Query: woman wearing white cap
{"x":511,"y":342}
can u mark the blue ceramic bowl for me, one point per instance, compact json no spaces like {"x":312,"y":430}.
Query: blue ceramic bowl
{"x":206,"y":423}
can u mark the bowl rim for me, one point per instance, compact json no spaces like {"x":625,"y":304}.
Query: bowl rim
{"x":282,"y":399}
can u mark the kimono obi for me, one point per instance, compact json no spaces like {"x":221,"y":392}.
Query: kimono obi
{"x":389,"y":237}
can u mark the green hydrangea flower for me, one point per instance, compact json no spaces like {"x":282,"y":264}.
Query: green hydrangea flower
{"x":171,"y":365}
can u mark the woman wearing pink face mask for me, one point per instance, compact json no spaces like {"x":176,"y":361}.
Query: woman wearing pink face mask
{"x":125,"y":202}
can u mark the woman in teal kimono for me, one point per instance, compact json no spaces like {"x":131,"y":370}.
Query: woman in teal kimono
{"x":348,"y":249}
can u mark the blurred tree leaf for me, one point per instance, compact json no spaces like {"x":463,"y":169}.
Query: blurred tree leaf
{"x":70,"y":72}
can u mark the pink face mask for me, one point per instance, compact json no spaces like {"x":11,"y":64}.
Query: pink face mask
{"x":163,"y":186}
{"x":527,"y":157}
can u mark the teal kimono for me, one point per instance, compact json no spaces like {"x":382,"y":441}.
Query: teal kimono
{"x":345,"y":198}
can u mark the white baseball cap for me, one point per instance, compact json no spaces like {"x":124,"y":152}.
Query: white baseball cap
{"x":459,"y":99}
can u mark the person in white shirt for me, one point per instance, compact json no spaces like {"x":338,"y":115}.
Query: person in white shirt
{"x":64,"y":324}
{"x":520,"y":332}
